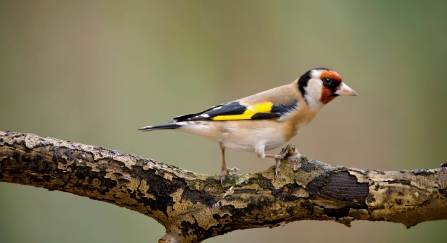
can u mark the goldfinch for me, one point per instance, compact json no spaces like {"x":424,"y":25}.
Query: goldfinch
{"x":263,"y":121}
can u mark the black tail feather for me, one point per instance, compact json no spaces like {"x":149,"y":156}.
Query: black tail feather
{"x":160,"y":127}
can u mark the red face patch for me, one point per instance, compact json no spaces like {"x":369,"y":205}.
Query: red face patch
{"x":331,"y":75}
{"x":326,"y":95}
{"x":331,"y":81}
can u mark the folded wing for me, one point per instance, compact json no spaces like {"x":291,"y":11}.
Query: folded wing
{"x":237,"y":111}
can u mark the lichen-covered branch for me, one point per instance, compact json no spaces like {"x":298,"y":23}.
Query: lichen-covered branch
{"x":194,"y":207}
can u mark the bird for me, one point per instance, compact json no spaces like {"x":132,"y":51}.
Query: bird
{"x":263,"y":121}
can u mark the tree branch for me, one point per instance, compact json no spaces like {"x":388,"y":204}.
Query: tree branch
{"x":194,"y":207}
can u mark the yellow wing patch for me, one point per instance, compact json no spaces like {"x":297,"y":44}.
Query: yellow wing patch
{"x":248,"y":113}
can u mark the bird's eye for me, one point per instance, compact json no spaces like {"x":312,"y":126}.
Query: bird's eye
{"x":327,"y":81}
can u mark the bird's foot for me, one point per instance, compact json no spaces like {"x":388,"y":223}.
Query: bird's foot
{"x":227,"y":171}
{"x":278,"y":158}
{"x":289,"y":150}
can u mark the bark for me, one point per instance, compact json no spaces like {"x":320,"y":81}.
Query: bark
{"x":193,"y":207}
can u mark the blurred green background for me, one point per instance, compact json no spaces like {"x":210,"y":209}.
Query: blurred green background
{"x":95,"y":71}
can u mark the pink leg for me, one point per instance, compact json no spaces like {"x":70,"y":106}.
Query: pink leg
{"x":260,"y":151}
{"x":224,"y":170}
{"x":277,"y":158}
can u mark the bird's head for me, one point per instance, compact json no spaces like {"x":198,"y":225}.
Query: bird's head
{"x":321,"y":85}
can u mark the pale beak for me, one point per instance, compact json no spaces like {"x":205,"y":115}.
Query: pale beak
{"x":344,"y":90}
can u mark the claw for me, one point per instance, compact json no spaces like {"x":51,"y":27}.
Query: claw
{"x":227,"y":171}
{"x":278,"y":157}
{"x":278,"y":163}
{"x":234,"y":169}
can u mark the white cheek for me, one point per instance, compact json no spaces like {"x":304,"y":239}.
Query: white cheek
{"x":313,"y":94}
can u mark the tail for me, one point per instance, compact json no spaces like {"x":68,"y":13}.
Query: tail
{"x":160,"y":127}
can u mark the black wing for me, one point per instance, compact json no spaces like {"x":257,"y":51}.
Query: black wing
{"x":236,"y":111}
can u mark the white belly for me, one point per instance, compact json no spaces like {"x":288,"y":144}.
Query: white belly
{"x":244,"y":141}
{"x":239,"y":135}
